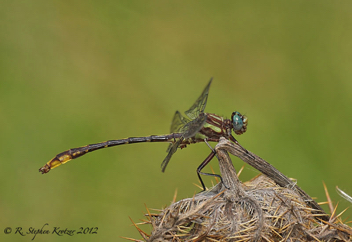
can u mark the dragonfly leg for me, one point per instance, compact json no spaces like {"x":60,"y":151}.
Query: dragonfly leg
{"x":206,"y":141}
{"x":204,"y":163}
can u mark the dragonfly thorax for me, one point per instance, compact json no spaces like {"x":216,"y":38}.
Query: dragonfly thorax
{"x":239,"y":123}
{"x":216,"y":126}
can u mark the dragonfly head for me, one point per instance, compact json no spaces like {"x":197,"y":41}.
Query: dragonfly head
{"x":239,"y":123}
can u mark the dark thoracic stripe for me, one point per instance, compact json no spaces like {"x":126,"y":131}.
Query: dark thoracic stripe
{"x":215,"y":127}
{"x":215,"y":120}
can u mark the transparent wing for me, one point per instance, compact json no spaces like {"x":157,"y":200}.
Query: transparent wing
{"x":199,"y":106}
{"x":172,"y":149}
{"x":189,"y":126}
{"x":193,"y":127}
{"x":178,"y":122}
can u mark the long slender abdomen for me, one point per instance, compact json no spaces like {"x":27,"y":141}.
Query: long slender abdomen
{"x":70,"y":154}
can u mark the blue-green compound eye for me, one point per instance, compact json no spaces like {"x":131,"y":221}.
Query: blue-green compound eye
{"x":237,"y":121}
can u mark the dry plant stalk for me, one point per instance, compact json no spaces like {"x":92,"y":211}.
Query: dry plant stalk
{"x":262,"y":209}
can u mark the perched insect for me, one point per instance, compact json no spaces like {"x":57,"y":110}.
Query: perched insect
{"x":196,"y":126}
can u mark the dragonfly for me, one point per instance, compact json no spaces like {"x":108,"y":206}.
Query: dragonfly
{"x":194,"y":127}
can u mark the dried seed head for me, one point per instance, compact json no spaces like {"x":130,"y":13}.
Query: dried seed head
{"x":266,"y":212}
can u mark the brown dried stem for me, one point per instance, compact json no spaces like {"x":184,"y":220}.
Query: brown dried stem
{"x":266,"y":168}
{"x":270,"y":207}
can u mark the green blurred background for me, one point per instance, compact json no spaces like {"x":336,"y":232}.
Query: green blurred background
{"x":80,"y":72}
